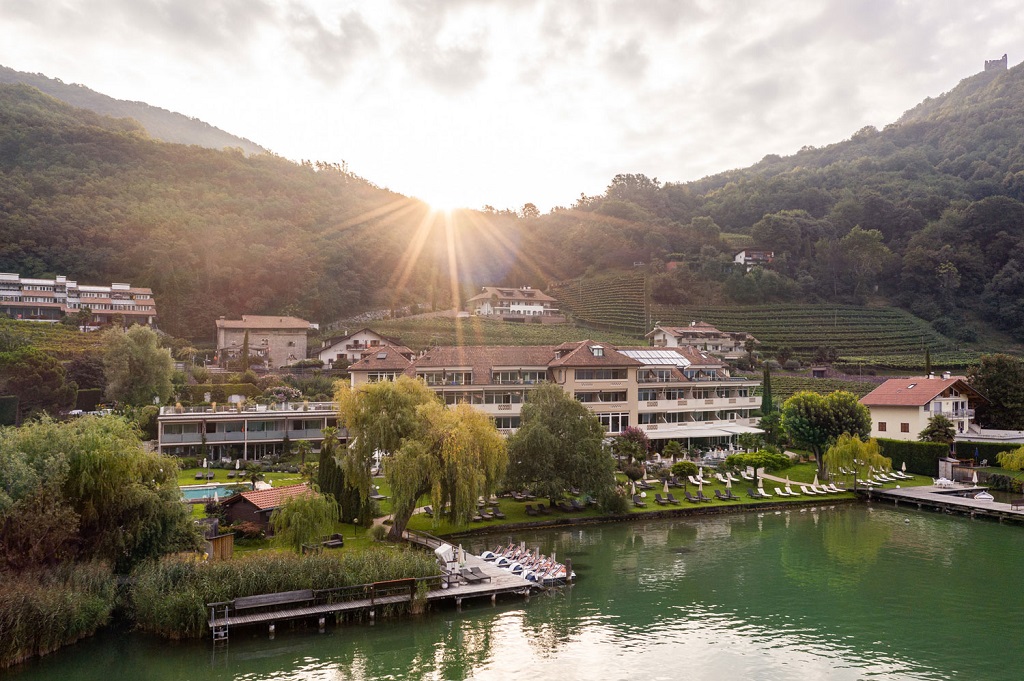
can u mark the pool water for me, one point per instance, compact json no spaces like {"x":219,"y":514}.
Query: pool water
{"x":193,"y":492}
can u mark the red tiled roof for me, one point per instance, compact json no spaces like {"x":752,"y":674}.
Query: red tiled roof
{"x":509,"y":293}
{"x":394,"y":359}
{"x":270,"y":498}
{"x":249,"y":321}
{"x":915,"y":391}
{"x":482,"y":359}
{"x":583,"y":356}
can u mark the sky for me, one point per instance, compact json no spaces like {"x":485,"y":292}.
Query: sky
{"x":473,"y":103}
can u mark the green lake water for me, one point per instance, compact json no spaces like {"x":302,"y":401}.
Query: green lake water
{"x":850,"y":592}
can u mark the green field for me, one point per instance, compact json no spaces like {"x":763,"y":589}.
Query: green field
{"x":420,"y":333}
{"x":783,"y":386}
{"x":617,"y":301}
{"x":57,"y":340}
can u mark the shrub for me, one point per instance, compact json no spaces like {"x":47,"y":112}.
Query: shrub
{"x":791,"y":364}
{"x":377,"y":533}
{"x":147,"y":421}
{"x":986,"y":450}
{"x":42,"y":611}
{"x":248,"y":530}
{"x":612,"y":502}
{"x":922,"y":458}
{"x":632,"y":471}
{"x":8,"y":410}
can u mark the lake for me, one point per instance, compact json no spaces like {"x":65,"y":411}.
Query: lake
{"x":847,"y":592}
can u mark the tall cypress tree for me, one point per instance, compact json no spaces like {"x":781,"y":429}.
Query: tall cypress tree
{"x":245,"y":351}
{"x":927,"y":362}
{"x":767,"y":404}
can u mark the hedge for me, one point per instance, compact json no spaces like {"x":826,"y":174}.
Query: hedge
{"x":922,"y":458}
{"x":220,"y":393}
{"x":8,"y":410}
{"x":986,"y":450}
{"x":88,"y":399}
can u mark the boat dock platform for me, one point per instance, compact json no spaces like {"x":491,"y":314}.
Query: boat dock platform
{"x":366,"y":599}
{"x":959,"y":500}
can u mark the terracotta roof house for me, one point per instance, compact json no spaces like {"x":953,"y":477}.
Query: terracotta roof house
{"x":512,"y":303}
{"x":704,"y":336}
{"x":274,"y":341}
{"x":901,"y":407}
{"x":257,"y":506}
{"x":352,"y":347}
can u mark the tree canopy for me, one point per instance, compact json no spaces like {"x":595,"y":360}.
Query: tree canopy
{"x":1000,"y":378}
{"x":853,"y":454}
{"x":558,"y":446}
{"x":137,"y":369}
{"x":304,"y":520}
{"x":814,"y":421}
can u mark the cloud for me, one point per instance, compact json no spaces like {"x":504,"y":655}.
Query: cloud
{"x":627,"y":62}
{"x":328,"y":53}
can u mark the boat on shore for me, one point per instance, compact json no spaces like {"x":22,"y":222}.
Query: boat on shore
{"x":531,"y":565}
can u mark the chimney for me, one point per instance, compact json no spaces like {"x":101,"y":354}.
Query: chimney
{"x":946,"y":375}
{"x":931,"y":375}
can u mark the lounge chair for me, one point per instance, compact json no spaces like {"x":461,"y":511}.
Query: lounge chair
{"x":210,"y":476}
{"x":574,"y":491}
{"x":480,"y":574}
{"x":563,"y":507}
{"x":780,"y":493}
{"x":516,"y":496}
{"x":746,"y":476}
{"x":805,"y":490}
{"x":429,"y":510}
{"x":818,"y":490}
{"x":471,"y":578}
{"x":530,"y":510}
{"x":692,"y":499}
{"x":576,"y":505}
{"x":638,"y":502}
{"x":790,"y":492}
{"x":764,"y":495}
{"x":752,"y":494}
{"x":543,"y":510}
{"x":831,"y":487}
{"x":199,"y":476}
{"x":231,"y":475}
{"x":496,"y":512}
{"x":701,"y":497}
{"x":730,"y":477}
{"x":721,"y":478}
{"x":720,"y":496}
{"x":693,"y":480}
{"x":671,"y":499}
{"x":658,"y":500}
{"x":730,"y":496}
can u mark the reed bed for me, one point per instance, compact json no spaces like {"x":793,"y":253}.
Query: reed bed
{"x":169,"y":596}
{"x":41,"y":611}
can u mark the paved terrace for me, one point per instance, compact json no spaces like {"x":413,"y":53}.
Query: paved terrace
{"x":947,"y":499}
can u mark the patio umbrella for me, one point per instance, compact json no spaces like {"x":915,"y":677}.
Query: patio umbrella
{"x":728,"y":483}
{"x":904,"y":467}
{"x":760,"y":483}
{"x":974,"y":478}
{"x":815,"y":483}
{"x":700,"y":488}
{"x":632,"y":487}
{"x":700,"y":472}
{"x":665,"y":489}
{"x":975,"y":453}
{"x":216,"y":499}
{"x":237,"y":462}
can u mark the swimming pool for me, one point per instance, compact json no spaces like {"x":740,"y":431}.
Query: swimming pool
{"x":223,"y":491}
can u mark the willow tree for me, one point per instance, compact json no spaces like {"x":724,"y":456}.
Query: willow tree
{"x":304,"y":519}
{"x":137,"y":369}
{"x":815,"y":421}
{"x":851,"y":453}
{"x":379,"y":418}
{"x":457,"y":457}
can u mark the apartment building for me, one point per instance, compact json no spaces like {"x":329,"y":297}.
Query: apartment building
{"x":48,"y":300}
{"x":233,"y":431}
{"x":679,"y":393}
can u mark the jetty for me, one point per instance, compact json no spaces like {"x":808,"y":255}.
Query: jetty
{"x":959,"y":500}
{"x":472,"y":578}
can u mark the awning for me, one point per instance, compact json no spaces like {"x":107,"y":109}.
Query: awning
{"x":683,"y":432}
{"x":742,"y":429}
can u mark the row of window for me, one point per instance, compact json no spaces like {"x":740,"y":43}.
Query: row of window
{"x":273,"y":426}
{"x":601,"y":374}
{"x":883,"y":427}
{"x":613,"y":396}
{"x":652,"y":394}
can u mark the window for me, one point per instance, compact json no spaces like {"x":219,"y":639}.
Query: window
{"x":647,"y":417}
{"x":654,"y":375}
{"x":904,"y":427}
{"x":597,"y":350}
{"x":378,"y":376}
{"x":506,"y":422}
{"x":493,"y":397}
{"x":646,"y":394}
{"x":881,"y":426}
{"x":600,"y":374}
{"x":615,"y":396}
{"x":614,"y":423}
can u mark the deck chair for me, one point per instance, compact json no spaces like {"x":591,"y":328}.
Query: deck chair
{"x":780,"y":493}
{"x":496,"y":512}
{"x":638,"y":502}
{"x":471,"y":578}
{"x":658,"y":500}
{"x":530,"y":510}
{"x":671,"y":499}
{"x":720,"y":496}
{"x":480,"y":574}
{"x":730,"y":496}
{"x":692,"y":499}
{"x":429,"y":510}
{"x":701,"y":497}
{"x":805,"y":490}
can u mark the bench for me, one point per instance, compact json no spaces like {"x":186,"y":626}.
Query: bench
{"x":1017,"y":504}
{"x":268,"y":600}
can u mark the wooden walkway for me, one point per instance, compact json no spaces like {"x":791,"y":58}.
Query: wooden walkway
{"x":947,"y":499}
{"x":445,"y":588}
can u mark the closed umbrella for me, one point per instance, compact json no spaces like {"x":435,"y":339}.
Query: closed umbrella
{"x":632,"y":487}
{"x":700,"y":489}
{"x":237,"y":462}
{"x":815,"y":483}
{"x":974,"y":478}
{"x":728,"y":483}
{"x":904,"y":467}
{"x":216,"y":499}
{"x":665,"y":489}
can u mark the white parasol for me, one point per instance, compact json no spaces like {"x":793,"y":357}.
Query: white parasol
{"x":904,"y":467}
{"x":665,"y":488}
{"x":815,"y":483}
{"x":974,"y":478}
{"x":216,"y":499}
{"x":237,"y":462}
{"x":728,"y":483}
{"x":632,"y":487}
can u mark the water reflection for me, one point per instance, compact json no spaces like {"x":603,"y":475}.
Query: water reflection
{"x":837,"y":593}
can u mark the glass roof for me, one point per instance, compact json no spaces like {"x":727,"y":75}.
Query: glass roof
{"x":656,"y":356}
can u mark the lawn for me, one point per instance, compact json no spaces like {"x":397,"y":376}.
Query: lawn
{"x":187,"y":476}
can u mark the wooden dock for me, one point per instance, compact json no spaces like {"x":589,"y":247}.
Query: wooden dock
{"x":948,"y":500}
{"x":369,"y":598}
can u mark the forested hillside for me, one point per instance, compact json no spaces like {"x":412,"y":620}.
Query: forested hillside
{"x":925,"y":214}
{"x":161,"y":124}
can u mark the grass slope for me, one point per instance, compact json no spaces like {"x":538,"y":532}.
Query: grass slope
{"x":420,"y":333}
